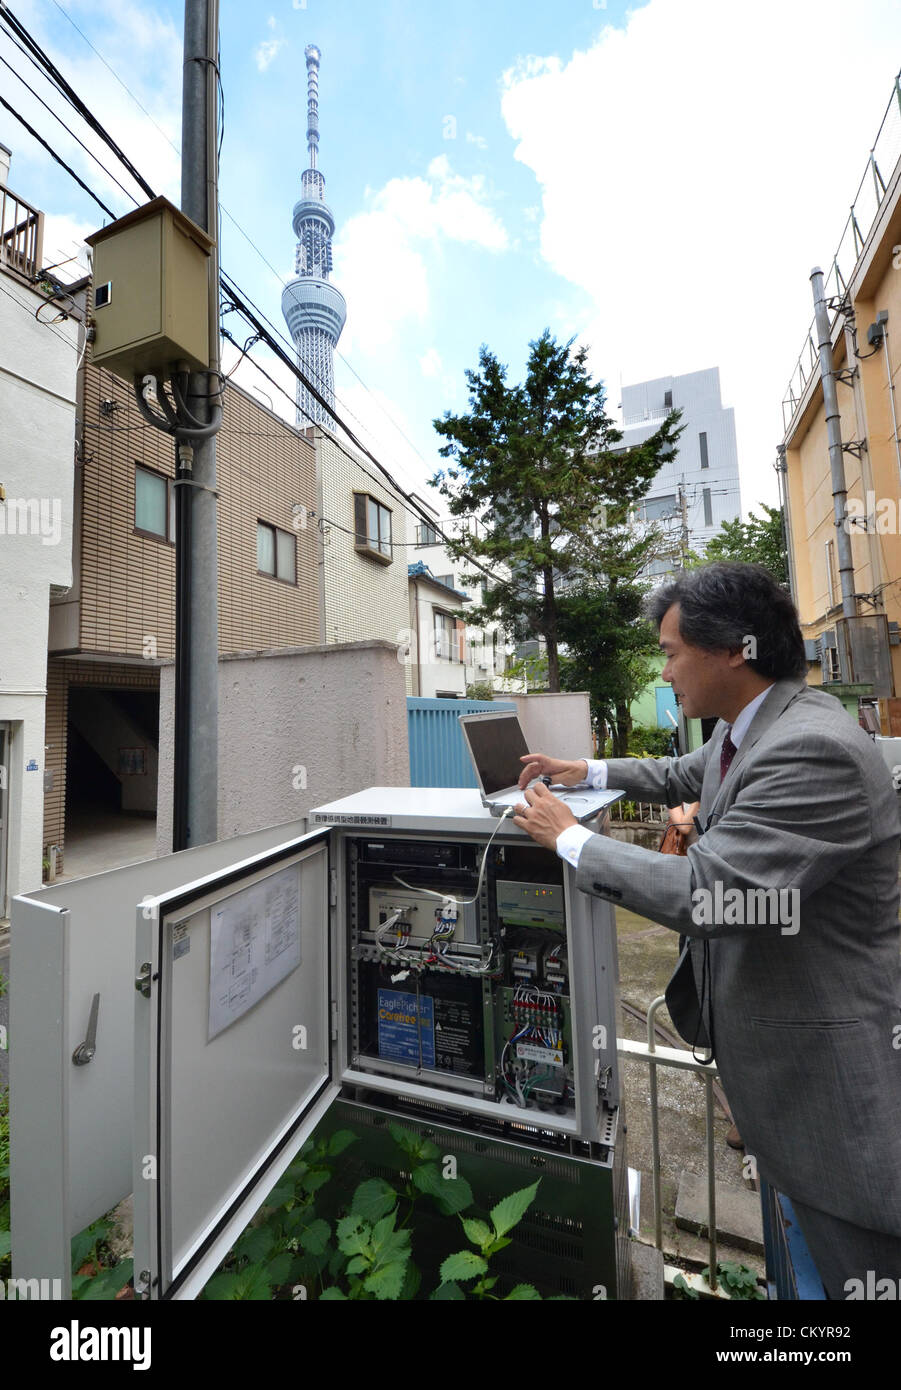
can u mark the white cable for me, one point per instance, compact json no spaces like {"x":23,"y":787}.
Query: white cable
{"x":461,"y":902}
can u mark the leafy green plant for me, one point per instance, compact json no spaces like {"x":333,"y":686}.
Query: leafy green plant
{"x":647,"y":741}
{"x":681,"y":1289}
{"x":288,"y":1243}
{"x":459,"y":1268}
{"x":736,"y":1279}
{"x":95,"y":1274}
{"x":309,"y":1242}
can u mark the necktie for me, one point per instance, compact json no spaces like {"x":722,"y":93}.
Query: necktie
{"x":728,"y":751}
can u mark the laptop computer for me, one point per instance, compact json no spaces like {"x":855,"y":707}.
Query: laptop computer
{"x":496,"y":742}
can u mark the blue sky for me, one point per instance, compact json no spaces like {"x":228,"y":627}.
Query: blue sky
{"x":650,"y":180}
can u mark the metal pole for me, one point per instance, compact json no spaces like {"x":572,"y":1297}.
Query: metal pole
{"x":197,"y":694}
{"x":655,"y":1124}
{"x":836,"y":457}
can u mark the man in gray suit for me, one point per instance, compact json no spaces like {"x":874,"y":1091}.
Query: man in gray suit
{"x":786,"y":906}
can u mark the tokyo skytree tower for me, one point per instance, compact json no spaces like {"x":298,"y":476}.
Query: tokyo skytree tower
{"x":314,"y":310}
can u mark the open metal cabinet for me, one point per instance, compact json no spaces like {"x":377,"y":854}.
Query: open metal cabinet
{"x":412,"y":957}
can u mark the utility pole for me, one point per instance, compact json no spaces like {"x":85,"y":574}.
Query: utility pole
{"x":195,"y":819}
{"x":683,"y":524}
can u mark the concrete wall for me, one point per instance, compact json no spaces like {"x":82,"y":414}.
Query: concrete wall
{"x":298,"y":727}
{"x":37,"y":409}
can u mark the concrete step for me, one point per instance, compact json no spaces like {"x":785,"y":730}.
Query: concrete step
{"x":738,"y":1217}
{"x":647,"y":1273}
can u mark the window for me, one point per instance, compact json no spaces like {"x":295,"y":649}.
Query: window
{"x":446,"y":579}
{"x":708,"y":509}
{"x":276,"y":553}
{"x":447,"y":643}
{"x":667,"y":400}
{"x":372,"y":527}
{"x":656,"y":508}
{"x":702,"y":441}
{"x":426,"y":535}
{"x":154,"y":504}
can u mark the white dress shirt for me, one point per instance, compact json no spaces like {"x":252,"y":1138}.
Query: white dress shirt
{"x":571,"y":840}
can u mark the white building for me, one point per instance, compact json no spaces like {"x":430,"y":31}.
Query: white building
{"x":698,"y":490}
{"x":365,"y":547}
{"x":37,"y":406}
{"x":480,"y":654}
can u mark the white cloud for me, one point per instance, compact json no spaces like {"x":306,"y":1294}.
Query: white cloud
{"x":382,"y":426}
{"x":404,"y":221}
{"x":132,"y":40}
{"x":430,"y":363}
{"x":687,"y":188}
{"x":267,"y":51}
{"x":64,"y":248}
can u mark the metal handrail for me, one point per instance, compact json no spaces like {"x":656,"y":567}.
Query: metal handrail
{"x":21,"y":235}
{"x":683,"y":1060}
{"x":859,"y":223}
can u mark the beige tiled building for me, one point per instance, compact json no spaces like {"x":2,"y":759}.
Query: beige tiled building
{"x":110,"y":631}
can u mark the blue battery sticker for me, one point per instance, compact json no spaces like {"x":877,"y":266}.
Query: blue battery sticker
{"x":404,"y":1022}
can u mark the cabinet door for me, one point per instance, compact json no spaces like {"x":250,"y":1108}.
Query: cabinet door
{"x":233,"y":1064}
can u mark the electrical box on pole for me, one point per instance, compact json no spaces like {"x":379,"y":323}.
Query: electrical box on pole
{"x":151,"y":292}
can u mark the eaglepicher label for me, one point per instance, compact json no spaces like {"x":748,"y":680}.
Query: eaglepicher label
{"x":344,"y":818}
{"x":549,"y":1056}
{"x":406,"y":1028}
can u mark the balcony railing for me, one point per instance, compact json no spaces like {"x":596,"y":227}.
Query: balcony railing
{"x":864,"y":209}
{"x":21,"y":236}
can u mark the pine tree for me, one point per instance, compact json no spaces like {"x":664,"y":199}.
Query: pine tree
{"x":536,"y":463}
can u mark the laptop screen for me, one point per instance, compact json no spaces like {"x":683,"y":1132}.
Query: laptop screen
{"x":497,"y":744}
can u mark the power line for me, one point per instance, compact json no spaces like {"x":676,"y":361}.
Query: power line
{"x":346,"y":362}
{"x":68,"y":131}
{"x":231,"y":288}
{"x":244,"y":234}
{"x":41,"y":141}
{"x":9,"y":19}
{"x":116,"y":75}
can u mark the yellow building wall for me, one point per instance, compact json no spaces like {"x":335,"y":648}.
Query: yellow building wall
{"x":873,"y":480}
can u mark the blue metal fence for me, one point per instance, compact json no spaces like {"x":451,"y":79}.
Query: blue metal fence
{"x":790,"y":1270}
{"x":438,"y":753}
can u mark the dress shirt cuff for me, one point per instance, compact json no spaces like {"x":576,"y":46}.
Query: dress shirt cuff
{"x":570,"y":842}
{"x":597,"y":773}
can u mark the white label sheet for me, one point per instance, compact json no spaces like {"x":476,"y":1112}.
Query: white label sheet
{"x":254,"y":944}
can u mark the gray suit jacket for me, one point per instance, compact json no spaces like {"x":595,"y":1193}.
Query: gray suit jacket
{"x":806,"y":1022}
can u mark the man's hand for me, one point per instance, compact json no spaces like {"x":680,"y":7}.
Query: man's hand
{"x":542,"y":816}
{"x":682,"y":817}
{"x":567,"y":774}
